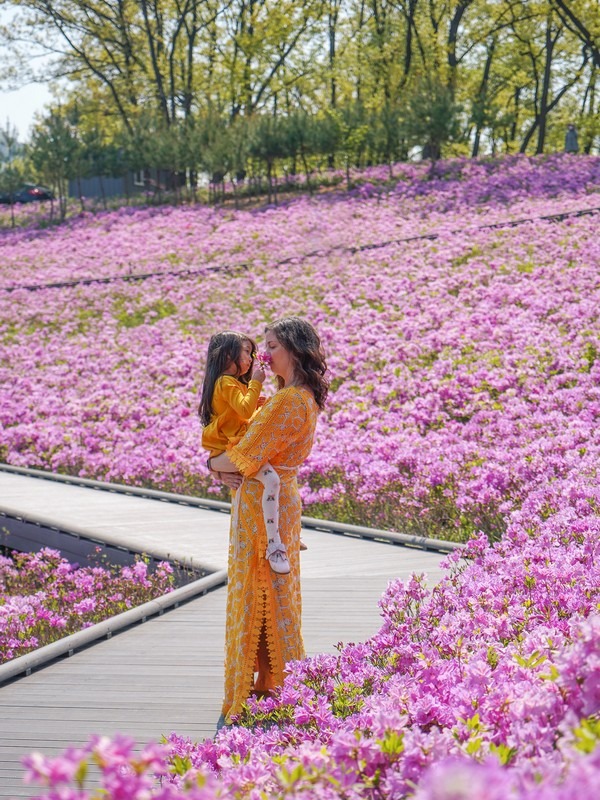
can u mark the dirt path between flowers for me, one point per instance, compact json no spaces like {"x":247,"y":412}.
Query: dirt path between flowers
{"x":166,"y":675}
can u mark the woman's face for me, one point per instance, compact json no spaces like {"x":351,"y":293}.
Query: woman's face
{"x":282,"y":362}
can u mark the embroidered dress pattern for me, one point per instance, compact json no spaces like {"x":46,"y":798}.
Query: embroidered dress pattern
{"x":258,"y":599}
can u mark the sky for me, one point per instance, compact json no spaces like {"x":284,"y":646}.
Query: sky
{"x":20,"y":106}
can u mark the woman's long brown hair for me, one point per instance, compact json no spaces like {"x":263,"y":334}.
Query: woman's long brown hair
{"x":302,"y":341}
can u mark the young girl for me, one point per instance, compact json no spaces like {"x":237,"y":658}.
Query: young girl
{"x":230,"y":398}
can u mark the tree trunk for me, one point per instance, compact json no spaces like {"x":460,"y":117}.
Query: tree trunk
{"x":459,"y":11}
{"x":529,"y":135}
{"x":409,"y":17}
{"x":361,"y":22}
{"x":80,"y":193}
{"x":332,"y":25}
{"x":102,"y":192}
{"x":513,"y":129}
{"x":269,"y":180}
{"x":155,"y":47}
{"x":591,"y":101}
{"x":482,"y":96}
{"x":543,"y":113}
{"x":62,"y":199}
{"x":306,"y":171}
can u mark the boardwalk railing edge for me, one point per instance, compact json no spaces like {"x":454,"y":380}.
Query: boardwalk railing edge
{"x":23,"y":665}
{"x":176,"y":559}
{"x":326,"y":526}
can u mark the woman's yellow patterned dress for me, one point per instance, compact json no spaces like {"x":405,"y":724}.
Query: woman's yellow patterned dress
{"x":259,"y":601}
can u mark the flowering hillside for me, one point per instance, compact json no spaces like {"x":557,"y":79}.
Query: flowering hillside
{"x":465,"y":402}
{"x":464,"y":372}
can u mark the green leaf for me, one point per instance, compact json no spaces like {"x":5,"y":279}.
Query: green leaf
{"x":290,"y":777}
{"x":180,"y":765}
{"x":587,"y":735}
{"x":474,"y":745}
{"x":392,"y":744}
{"x":504,"y":753}
{"x":81,"y":773}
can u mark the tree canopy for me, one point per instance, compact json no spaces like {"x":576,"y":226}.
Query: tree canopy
{"x":349,"y":81}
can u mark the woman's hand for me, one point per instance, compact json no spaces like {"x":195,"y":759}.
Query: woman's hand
{"x":231,"y":479}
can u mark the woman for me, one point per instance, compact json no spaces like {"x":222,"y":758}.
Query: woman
{"x":264,"y":608}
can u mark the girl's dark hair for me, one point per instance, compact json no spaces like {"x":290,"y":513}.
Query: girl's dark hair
{"x":302,"y":341}
{"x":223,"y":349}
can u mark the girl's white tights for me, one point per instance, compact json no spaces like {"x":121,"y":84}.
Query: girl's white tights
{"x":276,"y":552}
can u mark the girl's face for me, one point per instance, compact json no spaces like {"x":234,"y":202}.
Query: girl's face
{"x":282,"y":363}
{"x":245,"y":357}
{"x":245,"y":361}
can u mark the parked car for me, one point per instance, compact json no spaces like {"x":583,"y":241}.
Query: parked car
{"x":28,"y":193}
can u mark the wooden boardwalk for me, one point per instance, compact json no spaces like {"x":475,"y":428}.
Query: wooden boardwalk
{"x":166,"y":674}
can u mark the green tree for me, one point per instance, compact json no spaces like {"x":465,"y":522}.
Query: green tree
{"x":300,"y":133}
{"x":432,"y":119}
{"x":267,"y":144}
{"x":320,"y":71}
{"x":554,"y":66}
{"x":11,"y":165}
{"x":55,"y":154}
{"x":582,"y":18}
{"x":128,"y":53}
{"x":351,"y":125}
{"x":267,"y":47}
{"x":387,"y":137}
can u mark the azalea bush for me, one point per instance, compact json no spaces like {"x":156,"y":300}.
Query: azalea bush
{"x":465,"y":372}
{"x":43,"y":597}
{"x":486,"y":686}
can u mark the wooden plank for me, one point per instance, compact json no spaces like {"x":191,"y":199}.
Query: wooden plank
{"x":142,"y":525}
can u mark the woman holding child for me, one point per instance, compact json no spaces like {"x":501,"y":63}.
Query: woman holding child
{"x":264,"y":606}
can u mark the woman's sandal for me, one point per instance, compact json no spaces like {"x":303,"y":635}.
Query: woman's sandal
{"x":221,"y":723}
{"x":276,"y":555}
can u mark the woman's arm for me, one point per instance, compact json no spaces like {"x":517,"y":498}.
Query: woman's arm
{"x":225,"y":470}
{"x":221,"y":463}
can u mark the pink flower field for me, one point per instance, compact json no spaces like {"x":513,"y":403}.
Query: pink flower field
{"x":463,"y":375}
{"x":465,"y":402}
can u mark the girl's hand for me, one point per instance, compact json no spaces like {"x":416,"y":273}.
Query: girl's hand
{"x":261,"y":401}
{"x":231,"y":479}
{"x":258,"y":373}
